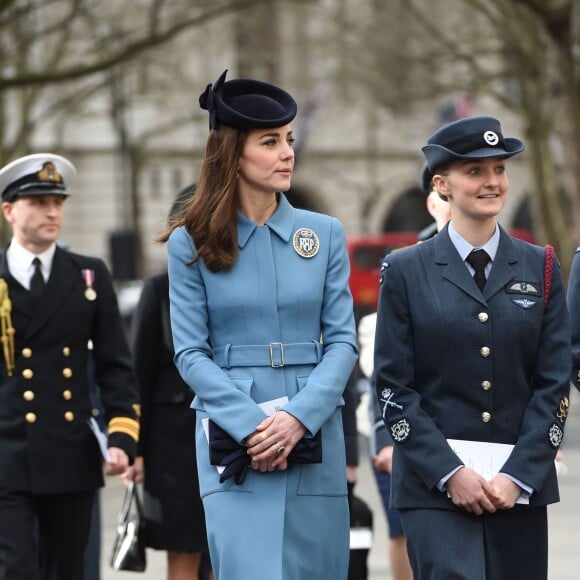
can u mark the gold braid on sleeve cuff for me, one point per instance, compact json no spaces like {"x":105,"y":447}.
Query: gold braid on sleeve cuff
{"x":124,"y":425}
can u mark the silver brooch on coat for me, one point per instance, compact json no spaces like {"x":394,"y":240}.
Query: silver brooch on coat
{"x":305,"y":242}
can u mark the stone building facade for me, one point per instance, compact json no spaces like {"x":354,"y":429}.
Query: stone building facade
{"x":357,"y":160}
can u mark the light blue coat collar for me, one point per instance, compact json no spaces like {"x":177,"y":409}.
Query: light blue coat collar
{"x":281,"y":222}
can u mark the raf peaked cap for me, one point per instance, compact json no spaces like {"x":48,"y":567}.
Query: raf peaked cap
{"x":467,"y":140}
{"x":247,"y":104}
{"x":36,"y":174}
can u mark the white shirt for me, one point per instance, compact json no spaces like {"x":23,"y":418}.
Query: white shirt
{"x":20,"y":262}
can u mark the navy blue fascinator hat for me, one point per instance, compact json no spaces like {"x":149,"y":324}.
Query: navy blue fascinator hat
{"x":467,"y":140}
{"x":247,"y":104}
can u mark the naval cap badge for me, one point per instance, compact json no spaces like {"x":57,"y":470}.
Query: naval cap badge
{"x":305,"y":242}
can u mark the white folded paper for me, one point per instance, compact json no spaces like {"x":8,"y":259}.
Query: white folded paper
{"x":484,"y":458}
{"x":101,"y":438}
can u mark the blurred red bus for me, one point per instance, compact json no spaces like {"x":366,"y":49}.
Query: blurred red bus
{"x":366,"y":253}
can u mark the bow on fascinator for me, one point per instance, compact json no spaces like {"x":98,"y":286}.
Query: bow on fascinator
{"x":208,"y":100}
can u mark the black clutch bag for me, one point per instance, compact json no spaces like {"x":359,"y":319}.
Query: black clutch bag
{"x":224,"y":451}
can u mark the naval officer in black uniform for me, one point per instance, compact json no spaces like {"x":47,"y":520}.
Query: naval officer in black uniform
{"x":52,"y":304}
{"x":473,"y":353}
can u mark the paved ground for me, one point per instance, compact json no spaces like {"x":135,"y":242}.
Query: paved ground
{"x":564,"y":518}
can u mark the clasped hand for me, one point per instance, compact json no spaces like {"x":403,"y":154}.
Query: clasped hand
{"x":473,"y":493}
{"x":273,"y":440}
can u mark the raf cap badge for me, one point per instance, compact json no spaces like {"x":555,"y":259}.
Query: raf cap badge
{"x":305,"y":242}
{"x":491,"y":138}
{"x":89,"y":279}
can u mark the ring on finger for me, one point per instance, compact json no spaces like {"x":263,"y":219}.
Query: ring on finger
{"x":279,"y":448}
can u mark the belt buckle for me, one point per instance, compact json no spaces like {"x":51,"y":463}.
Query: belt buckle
{"x":281,"y":349}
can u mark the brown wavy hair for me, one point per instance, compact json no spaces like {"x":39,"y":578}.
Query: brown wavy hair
{"x":210,"y":215}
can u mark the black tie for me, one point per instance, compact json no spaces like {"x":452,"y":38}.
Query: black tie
{"x":37,"y":281}
{"x":479,"y":259}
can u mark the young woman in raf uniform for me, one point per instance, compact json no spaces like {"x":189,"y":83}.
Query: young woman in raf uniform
{"x":483,"y":359}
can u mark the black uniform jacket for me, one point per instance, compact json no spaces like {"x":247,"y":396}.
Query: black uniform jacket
{"x":46,"y":445}
{"x":454,"y":362}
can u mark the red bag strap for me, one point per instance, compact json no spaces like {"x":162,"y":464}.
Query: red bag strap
{"x":548,"y":269}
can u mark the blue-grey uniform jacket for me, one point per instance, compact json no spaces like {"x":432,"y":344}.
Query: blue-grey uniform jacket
{"x":454,"y":362}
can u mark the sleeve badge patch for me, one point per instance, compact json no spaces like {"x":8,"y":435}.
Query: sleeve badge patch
{"x":400,"y":430}
{"x":386,"y":399}
{"x":563,"y":410}
{"x":555,"y":436}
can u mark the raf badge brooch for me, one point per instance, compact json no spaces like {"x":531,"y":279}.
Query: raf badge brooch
{"x":305,"y":242}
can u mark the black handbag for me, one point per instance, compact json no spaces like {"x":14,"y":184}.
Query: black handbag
{"x":226,"y":452}
{"x":129,"y":548}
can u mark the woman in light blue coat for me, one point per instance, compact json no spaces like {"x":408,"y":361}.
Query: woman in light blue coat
{"x":264,"y":332}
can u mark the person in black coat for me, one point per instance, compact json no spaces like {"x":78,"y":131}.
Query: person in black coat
{"x":472,"y":364}
{"x":53,"y":303}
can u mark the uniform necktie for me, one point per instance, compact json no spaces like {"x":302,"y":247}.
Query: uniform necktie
{"x":479,"y":259}
{"x":37,"y":281}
